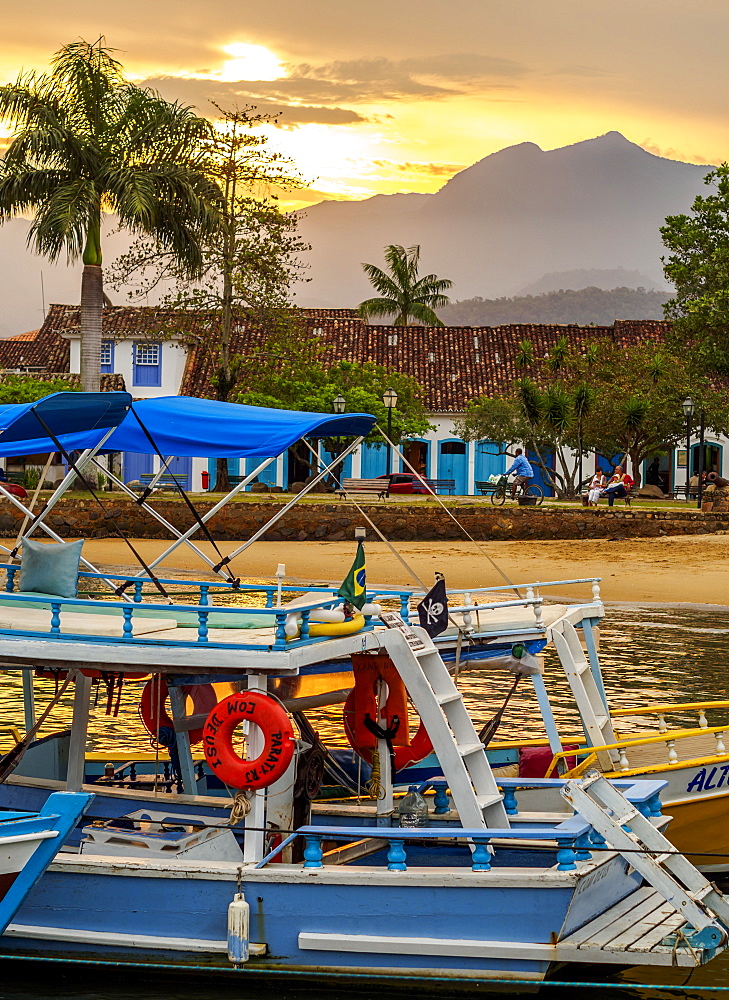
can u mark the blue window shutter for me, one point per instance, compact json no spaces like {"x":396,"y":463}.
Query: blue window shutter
{"x":147,"y":363}
{"x":107,"y":357}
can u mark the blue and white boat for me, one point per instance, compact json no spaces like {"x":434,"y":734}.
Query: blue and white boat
{"x":225,"y":870}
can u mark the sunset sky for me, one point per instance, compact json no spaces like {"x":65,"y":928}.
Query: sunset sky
{"x":397,"y":96}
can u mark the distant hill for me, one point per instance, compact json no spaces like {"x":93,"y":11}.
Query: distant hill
{"x":504,"y":223}
{"x":607,"y":278}
{"x":582,"y":306}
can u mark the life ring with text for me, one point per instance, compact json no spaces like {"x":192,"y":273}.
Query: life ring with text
{"x":154,"y":697}
{"x":279,"y":742}
{"x":361,"y":704}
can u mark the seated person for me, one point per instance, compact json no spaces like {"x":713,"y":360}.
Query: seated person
{"x":619,"y":486}
{"x":597,"y":485}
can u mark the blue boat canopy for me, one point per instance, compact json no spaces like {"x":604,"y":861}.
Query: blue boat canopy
{"x":186,"y":426}
{"x":77,"y":419}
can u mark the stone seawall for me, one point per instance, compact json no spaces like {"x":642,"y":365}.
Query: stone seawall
{"x":336,"y":521}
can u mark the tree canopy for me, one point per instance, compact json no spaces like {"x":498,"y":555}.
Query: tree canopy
{"x":611,"y":399}
{"x":698,"y":266}
{"x":26,"y":389}
{"x":86,"y":142}
{"x":403,"y":294}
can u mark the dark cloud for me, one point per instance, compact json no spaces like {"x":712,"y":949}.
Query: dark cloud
{"x":201,"y":92}
{"x":314,"y":93}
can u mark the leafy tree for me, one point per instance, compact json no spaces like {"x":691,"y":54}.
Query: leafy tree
{"x":294,"y":371}
{"x":611,"y":400}
{"x":698,"y":266}
{"x":87,"y":142}
{"x":403,"y":294}
{"x":26,"y":389}
{"x":246,"y":266}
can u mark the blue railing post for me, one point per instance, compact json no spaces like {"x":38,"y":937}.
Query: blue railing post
{"x":10,"y":581}
{"x":127,"y":632}
{"x":202,"y":629}
{"x":396,"y":857}
{"x":204,"y":589}
{"x":566,"y":856}
{"x":596,"y":838}
{"x":405,"y":607}
{"x":583,"y":847}
{"x":269,"y":597}
{"x":510,"y":804}
{"x":441,"y":800}
{"x":304,"y":630}
{"x":313,"y":852}
{"x":281,"y":629}
{"x":655,"y":805}
{"x":55,"y":618}
{"x":138,"y":591}
{"x":481,"y":856}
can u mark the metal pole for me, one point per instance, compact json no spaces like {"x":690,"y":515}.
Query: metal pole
{"x":701,"y":460}
{"x":389,"y":434}
{"x":688,"y":456}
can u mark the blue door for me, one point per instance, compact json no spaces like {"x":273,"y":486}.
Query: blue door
{"x":538,"y":476}
{"x":453,"y":464}
{"x":181,"y":469}
{"x":374,"y":461}
{"x":135,"y":465}
{"x":268,"y":476}
{"x":487,"y":461}
{"x":341,"y":471}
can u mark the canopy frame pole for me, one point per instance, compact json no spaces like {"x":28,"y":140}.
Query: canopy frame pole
{"x":34,"y":498}
{"x":84,"y":458}
{"x":307,"y":489}
{"x":79,"y":733}
{"x":48,"y":530}
{"x":184,"y":536}
{"x":163,"y":521}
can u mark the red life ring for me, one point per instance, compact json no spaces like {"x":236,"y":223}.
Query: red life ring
{"x":279,"y":742}
{"x":362,"y":701}
{"x":155,"y":694}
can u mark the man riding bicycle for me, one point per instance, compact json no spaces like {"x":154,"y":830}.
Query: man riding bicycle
{"x":524,"y":472}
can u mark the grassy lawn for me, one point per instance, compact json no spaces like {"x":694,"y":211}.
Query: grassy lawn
{"x":402,"y":500}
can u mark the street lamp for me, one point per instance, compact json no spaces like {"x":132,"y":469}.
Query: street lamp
{"x":339,"y":403}
{"x":688,"y":407}
{"x":390,"y":400}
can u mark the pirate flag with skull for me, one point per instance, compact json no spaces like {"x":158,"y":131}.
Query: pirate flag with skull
{"x":433,"y":609}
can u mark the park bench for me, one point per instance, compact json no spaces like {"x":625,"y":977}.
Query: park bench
{"x":441,"y":484}
{"x":371,"y":487}
{"x":679,"y":492}
{"x":167,"y":481}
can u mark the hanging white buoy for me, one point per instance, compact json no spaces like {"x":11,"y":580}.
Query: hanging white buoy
{"x":239,"y":918}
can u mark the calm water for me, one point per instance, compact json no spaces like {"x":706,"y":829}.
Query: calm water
{"x":647,"y":655}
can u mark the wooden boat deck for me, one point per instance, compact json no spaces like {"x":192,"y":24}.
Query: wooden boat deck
{"x":652,"y":754}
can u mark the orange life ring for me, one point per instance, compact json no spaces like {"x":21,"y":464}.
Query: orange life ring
{"x":154,"y":695}
{"x":278,"y":734}
{"x":361,"y":701}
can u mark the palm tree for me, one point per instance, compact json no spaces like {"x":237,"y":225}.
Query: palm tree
{"x":402,"y":293}
{"x":87,"y":142}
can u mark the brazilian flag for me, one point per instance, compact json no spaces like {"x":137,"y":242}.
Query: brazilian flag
{"x":353,"y":590}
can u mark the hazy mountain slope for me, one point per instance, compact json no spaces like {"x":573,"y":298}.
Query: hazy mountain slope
{"x":582,"y":306}
{"x":508,"y":220}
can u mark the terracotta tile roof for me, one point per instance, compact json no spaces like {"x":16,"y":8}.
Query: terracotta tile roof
{"x":30,"y":335}
{"x":47,"y":349}
{"x":453,"y":364}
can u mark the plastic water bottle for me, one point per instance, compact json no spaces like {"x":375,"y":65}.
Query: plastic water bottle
{"x":412,"y":809}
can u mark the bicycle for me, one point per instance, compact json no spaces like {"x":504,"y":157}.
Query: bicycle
{"x":503,"y":487}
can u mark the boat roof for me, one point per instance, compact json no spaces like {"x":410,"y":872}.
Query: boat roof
{"x":187,"y":426}
{"x":78,"y":419}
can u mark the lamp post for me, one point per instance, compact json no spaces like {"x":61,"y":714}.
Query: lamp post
{"x":702,"y":427}
{"x":389,"y":398}
{"x":339,"y":403}
{"x":688,"y":407}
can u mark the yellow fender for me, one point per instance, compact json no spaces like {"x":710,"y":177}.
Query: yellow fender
{"x":348,"y":627}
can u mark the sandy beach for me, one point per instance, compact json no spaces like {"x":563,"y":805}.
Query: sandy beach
{"x":688,"y":569}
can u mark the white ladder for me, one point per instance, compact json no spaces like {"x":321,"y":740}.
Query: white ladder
{"x":593,"y":713}
{"x":461,"y":754}
{"x":647,"y":850}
